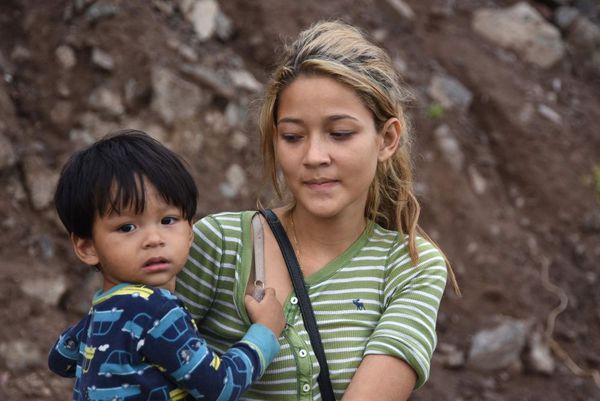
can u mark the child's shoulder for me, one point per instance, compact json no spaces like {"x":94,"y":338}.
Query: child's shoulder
{"x":135,"y":293}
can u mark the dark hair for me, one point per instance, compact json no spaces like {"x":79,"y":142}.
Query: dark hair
{"x":110,"y":175}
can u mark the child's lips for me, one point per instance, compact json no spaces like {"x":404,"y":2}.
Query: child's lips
{"x":156,"y":264}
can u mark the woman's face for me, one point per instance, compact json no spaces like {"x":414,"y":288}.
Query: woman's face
{"x":326,"y":146}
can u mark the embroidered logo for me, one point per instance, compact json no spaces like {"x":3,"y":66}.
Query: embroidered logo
{"x":359,"y":305}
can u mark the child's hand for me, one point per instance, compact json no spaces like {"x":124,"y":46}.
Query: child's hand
{"x":267,"y":312}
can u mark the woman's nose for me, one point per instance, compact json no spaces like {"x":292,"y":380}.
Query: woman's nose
{"x":317,"y":152}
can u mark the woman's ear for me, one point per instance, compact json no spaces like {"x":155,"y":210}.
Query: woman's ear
{"x":85,"y":250}
{"x":390,"y":138}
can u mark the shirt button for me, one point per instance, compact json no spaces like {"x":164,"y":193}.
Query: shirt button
{"x":294,"y":300}
{"x":302,"y":353}
{"x":306,"y":387}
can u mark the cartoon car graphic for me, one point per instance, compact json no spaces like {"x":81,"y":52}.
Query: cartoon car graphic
{"x":121,"y":393}
{"x":163,"y":394}
{"x":119,"y":363}
{"x":133,"y":290}
{"x":172,"y":326}
{"x":135,"y":326}
{"x":189,"y":355}
{"x":103,"y":320}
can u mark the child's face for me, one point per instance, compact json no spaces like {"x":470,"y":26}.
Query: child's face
{"x":147,"y":248}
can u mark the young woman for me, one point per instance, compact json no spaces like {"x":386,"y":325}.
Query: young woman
{"x":335,"y":142}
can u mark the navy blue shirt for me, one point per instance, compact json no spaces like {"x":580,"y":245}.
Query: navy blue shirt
{"x":140,"y":343}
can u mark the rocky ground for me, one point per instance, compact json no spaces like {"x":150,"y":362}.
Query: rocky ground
{"x":507,"y":138}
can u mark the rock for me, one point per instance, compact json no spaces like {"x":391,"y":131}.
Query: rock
{"x":245,"y":80}
{"x":174,"y":98}
{"x":209,"y":79}
{"x":538,"y":356}
{"x":450,"y":356}
{"x":8,"y":156}
{"x":202,"y":14}
{"x":47,"y":290}
{"x":449,"y":146}
{"x":236,"y":180}
{"x":522,"y":29}
{"x":549,"y":114}
{"x":449,"y":92}
{"x":66,"y":56}
{"x":106,"y":101}
{"x":239,"y":141}
{"x":478,"y":183}
{"x":565,"y":16}
{"x":40,"y":182}
{"x":402,"y":8}
{"x":60,"y":114}
{"x":223,"y":26}
{"x":100,"y":10}
{"x":498,"y":348}
{"x":20,"y":355}
{"x":102,"y":59}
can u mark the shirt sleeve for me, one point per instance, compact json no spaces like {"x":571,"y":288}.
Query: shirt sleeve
{"x":412,"y":296}
{"x":173,"y":343}
{"x":62,"y":359}
{"x":197,"y":282}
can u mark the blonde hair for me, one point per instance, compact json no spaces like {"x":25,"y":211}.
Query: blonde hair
{"x":340,"y":51}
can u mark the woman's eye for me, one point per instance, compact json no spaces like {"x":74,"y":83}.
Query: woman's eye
{"x":126,"y":228}
{"x":341,"y":134}
{"x":169,"y":220}
{"x":291,"y":137}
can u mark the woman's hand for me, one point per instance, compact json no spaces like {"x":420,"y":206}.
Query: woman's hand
{"x":381,"y":378}
{"x":267,"y":312}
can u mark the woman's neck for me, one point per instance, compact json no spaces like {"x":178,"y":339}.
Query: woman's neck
{"x":318,"y":240}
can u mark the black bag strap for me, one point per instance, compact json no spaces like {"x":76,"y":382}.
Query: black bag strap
{"x":303,"y":301}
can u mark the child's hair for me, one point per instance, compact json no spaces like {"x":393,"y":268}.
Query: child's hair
{"x":110,"y":176}
{"x":340,"y":51}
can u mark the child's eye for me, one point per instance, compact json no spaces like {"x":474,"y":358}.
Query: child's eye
{"x":126,"y":228}
{"x":169,"y":220}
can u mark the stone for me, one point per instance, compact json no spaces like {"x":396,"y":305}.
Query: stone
{"x":47,"y":290}
{"x":499,"y":347}
{"x":522,"y":29}
{"x":8,"y":156}
{"x":245,"y":80}
{"x":202,"y":14}
{"x":449,"y":92}
{"x":174,"y":98}
{"x":102,"y":59}
{"x":539,"y":356}
{"x":549,"y":114}
{"x":478,"y":183}
{"x":449,"y":147}
{"x":40,"y":182}
{"x":107,"y":101}
{"x":19,"y":355}
{"x":66,"y":56}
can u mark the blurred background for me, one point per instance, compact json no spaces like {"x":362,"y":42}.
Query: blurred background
{"x":506,"y":118}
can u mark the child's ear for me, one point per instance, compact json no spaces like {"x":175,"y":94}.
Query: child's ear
{"x":390,"y":138}
{"x":85,"y":250}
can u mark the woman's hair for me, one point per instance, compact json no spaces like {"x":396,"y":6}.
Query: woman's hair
{"x":341,"y":52}
{"x":110,"y":176}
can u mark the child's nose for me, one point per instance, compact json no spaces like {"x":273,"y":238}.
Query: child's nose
{"x":153,"y":238}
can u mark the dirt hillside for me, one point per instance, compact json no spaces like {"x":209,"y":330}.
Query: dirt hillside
{"x":507,"y":154}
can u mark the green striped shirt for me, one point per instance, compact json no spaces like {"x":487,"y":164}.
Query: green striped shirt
{"x":369,"y":300}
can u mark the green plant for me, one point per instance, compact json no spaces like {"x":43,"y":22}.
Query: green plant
{"x":435,"y":110}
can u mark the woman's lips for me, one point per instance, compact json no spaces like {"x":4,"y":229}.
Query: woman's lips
{"x":321,"y":185}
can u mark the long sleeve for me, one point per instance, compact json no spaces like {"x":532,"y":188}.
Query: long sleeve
{"x":173,"y":343}
{"x":62,"y":359}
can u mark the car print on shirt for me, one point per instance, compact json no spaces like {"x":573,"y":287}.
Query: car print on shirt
{"x":121,"y":393}
{"x":120,"y":363}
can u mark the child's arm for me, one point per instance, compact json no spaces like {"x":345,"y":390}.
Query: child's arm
{"x":174,"y":344}
{"x":62,"y":359}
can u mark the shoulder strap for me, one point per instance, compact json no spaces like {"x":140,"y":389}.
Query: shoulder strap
{"x":303,"y":301}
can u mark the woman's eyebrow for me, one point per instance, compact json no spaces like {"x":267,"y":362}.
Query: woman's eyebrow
{"x":291,"y":120}
{"x":333,"y":117}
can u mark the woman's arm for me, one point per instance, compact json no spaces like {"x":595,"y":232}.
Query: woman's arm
{"x":381,"y":378}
